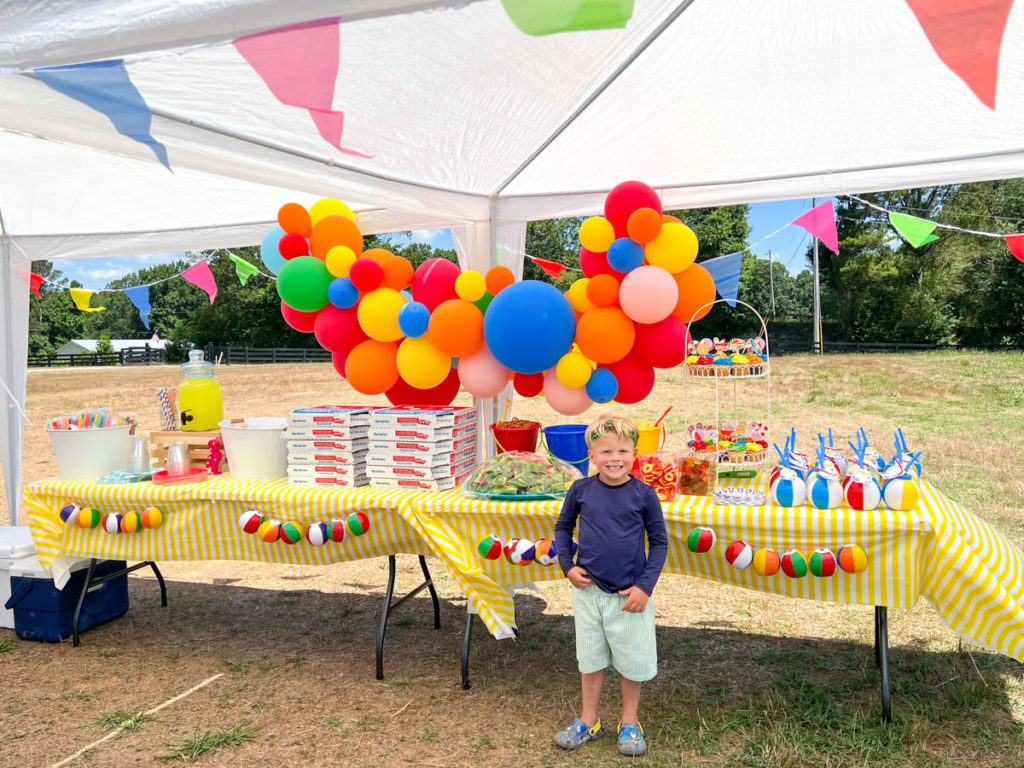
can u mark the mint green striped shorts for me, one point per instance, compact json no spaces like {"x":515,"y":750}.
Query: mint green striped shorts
{"x":606,"y":634}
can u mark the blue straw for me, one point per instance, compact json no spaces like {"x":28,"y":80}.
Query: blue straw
{"x":830,"y":443}
{"x":903,"y":440}
{"x":782,"y":456}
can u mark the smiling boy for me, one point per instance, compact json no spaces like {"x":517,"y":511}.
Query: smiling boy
{"x":613,"y":578}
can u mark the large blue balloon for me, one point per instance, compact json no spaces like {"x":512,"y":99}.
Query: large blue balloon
{"x":342,"y":294}
{"x":529,"y":326}
{"x":602,"y":387}
{"x":272,"y":258}
{"x":624,"y":255}
{"x":413,"y":319}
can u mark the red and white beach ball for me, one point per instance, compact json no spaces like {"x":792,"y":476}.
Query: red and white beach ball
{"x":739,"y":554}
{"x":250,"y":521}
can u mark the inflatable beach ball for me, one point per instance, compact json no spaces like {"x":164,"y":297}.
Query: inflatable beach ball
{"x":69,"y":513}
{"x":336,"y":530}
{"x":852,"y":558}
{"x":269,"y":531}
{"x":861,"y":492}
{"x":250,"y":521}
{"x":489,"y":547}
{"x":521,"y":552}
{"x":358,"y":523}
{"x":824,"y":492}
{"x":789,"y":490}
{"x":87,"y":518}
{"x":793,"y":564}
{"x":112,"y":523}
{"x":131,"y":522}
{"x":822,"y":563}
{"x":291,"y":532}
{"x":900,"y":493}
{"x":151,"y":517}
{"x":700,"y":540}
{"x":739,"y":554}
{"x":545,"y":552}
{"x":317,"y":534}
{"x":766,"y":562}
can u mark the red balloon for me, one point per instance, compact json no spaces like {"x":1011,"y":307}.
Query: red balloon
{"x":292,"y":245}
{"x":300,"y":321}
{"x":366,"y":273}
{"x":662,"y":344}
{"x":403,"y":393}
{"x":626,"y":198}
{"x":528,"y":384}
{"x":635,"y":377}
{"x":337,"y":329}
{"x":433,"y":283}
{"x":338,"y":361}
{"x":594,"y":264}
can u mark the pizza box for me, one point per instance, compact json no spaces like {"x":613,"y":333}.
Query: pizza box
{"x":331,"y":445}
{"x":413,"y":416}
{"x":327,"y":470}
{"x":414,"y":433}
{"x":425,"y":473}
{"x":327,"y":457}
{"x":416,"y":446}
{"x":420,"y":459}
{"x":414,"y":484}
{"x":330,"y":482}
{"x":341,"y":415}
{"x":328,"y":432}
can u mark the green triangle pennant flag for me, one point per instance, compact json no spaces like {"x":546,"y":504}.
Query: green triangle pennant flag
{"x":916,"y":231}
{"x":243,"y":269}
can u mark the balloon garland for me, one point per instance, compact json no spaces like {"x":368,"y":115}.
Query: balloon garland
{"x":417,"y":335}
{"x":317,"y":534}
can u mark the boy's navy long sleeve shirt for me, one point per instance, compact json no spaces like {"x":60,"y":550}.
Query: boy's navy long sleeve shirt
{"x":616,"y":522}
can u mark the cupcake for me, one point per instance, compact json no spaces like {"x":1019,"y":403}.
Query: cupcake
{"x":722,"y":366}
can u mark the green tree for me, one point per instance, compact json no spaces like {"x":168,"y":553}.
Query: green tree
{"x":103,"y":346}
{"x":53,"y":319}
{"x":555,"y":240}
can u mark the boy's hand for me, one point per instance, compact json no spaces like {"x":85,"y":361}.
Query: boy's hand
{"x":636,"y":600}
{"x":578,"y":577}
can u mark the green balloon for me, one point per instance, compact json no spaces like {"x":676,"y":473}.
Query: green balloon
{"x":302,"y":283}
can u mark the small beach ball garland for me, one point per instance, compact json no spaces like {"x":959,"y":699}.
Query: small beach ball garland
{"x":317,"y":534}
{"x":519,"y":551}
{"x":112,"y":522}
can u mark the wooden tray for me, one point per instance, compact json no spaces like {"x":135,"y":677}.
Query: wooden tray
{"x":198,"y":448}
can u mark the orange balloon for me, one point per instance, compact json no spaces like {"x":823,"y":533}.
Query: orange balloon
{"x":668,"y":219}
{"x":294,"y":219}
{"x":334,"y":230}
{"x":603,"y":290}
{"x":380,"y":255}
{"x":644,"y":225}
{"x":371,"y":367}
{"x":696,"y":288}
{"x":456,"y":328}
{"x":498,"y":278}
{"x":605,"y":334}
{"x":397,"y":272}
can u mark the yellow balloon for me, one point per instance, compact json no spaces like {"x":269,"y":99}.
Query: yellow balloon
{"x":470,"y":286}
{"x":674,"y":249}
{"x":339,"y":260}
{"x":596,"y":234}
{"x":577,"y":295}
{"x":573,"y":370}
{"x":421,"y":364}
{"x":329,"y":207}
{"x":378,"y":314}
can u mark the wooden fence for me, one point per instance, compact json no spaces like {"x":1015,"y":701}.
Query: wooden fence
{"x":127,"y":356}
{"x":848,"y":347}
{"x":257,"y":355}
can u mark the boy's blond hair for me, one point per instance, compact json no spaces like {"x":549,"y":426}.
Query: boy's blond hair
{"x":613,"y":425}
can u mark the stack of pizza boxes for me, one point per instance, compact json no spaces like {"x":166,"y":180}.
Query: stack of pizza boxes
{"x":420,"y":448}
{"x":327,"y":446}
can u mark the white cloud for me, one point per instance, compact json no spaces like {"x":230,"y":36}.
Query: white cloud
{"x":101,"y":274}
{"x":426,"y":235}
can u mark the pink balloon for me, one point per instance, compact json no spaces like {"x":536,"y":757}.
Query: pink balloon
{"x":482,"y":375}
{"x":568,"y":402}
{"x":648,"y":294}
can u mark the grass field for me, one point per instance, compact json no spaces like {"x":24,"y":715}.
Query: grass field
{"x":745,"y":679}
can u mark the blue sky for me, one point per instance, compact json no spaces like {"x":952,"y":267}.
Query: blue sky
{"x":787,"y":246}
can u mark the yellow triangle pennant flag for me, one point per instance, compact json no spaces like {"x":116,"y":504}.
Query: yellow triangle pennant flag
{"x":81,"y":298}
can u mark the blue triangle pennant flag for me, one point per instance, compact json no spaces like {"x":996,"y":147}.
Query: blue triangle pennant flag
{"x":726,"y":272}
{"x":140,"y":298}
{"x":106,"y":87}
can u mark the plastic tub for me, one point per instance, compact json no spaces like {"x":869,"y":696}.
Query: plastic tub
{"x":568,"y":442}
{"x":87,"y":454}
{"x":257,"y":448}
{"x":515,"y":438}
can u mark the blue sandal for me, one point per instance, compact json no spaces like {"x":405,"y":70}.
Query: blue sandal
{"x":631,"y":740}
{"x":577,"y":734}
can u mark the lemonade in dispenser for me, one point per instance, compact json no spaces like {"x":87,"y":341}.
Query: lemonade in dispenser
{"x":199,"y":397}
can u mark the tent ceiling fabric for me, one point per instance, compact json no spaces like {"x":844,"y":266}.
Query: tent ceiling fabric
{"x":709,"y":102}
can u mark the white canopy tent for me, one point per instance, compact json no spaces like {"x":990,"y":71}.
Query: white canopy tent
{"x":469,"y":123}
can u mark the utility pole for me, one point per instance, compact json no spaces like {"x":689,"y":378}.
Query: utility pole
{"x":771,"y":279}
{"x":817,"y":293}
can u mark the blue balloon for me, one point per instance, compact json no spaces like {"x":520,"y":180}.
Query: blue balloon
{"x":602,"y":386}
{"x":413,"y":319}
{"x":625,"y":255}
{"x":341,"y":293}
{"x":529,"y":326}
{"x":272,"y":258}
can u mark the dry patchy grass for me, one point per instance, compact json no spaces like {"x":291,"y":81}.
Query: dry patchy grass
{"x":745,"y":679}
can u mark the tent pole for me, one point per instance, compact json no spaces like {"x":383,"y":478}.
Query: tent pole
{"x":12,"y":449}
{"x":817,"y":294}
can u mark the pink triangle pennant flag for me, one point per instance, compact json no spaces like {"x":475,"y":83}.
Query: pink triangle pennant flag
{"x":199,"y":275}
{"x":299,"y":64}
{"x":820,"y":221}
{"x":1016,"y":245}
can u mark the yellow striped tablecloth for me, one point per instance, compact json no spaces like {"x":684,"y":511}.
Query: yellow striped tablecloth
{"x":972,"y":574}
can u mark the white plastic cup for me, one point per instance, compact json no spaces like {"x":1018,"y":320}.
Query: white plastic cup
{"x":257,"y":450}
{"x":177,"y":459}
{"x":138,"y":459}
{"x":88,"y":454}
